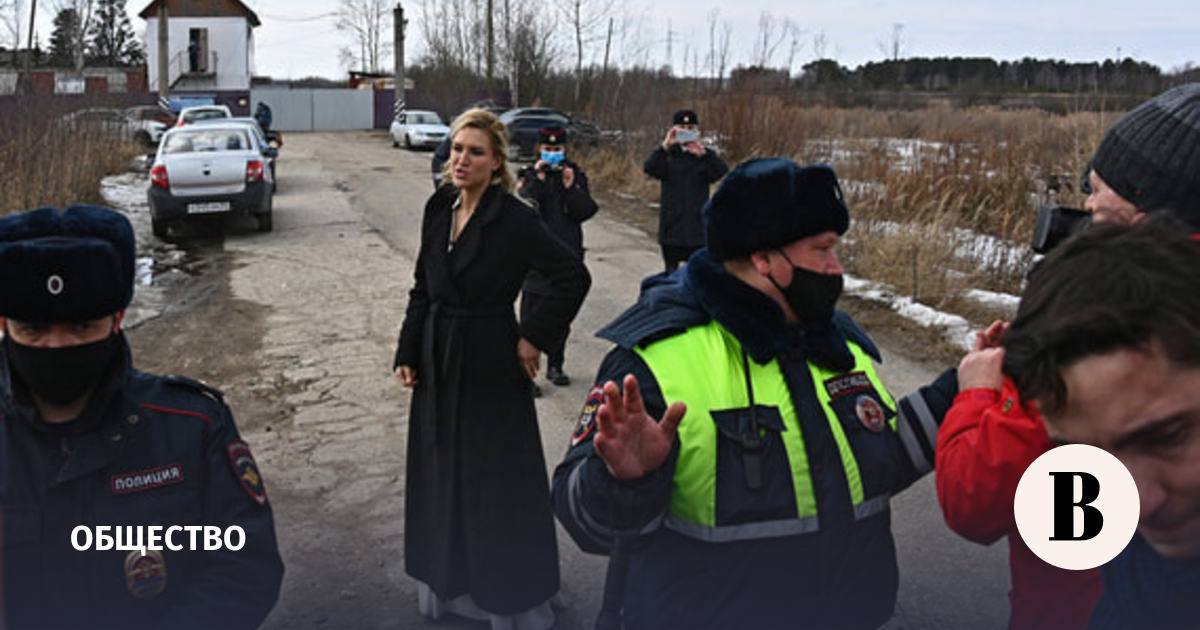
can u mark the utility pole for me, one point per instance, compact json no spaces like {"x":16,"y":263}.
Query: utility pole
{"x":398,"y":25}
{"x":491,"y":52}
{"x":163,"y":66}
{"x":24,"y":80}
{"x":607,"y":47}
{"x":514,"y":96}
{"x":670,"y":39}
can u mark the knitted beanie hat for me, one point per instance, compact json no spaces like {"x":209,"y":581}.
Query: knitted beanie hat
{"x":1151,"y":156}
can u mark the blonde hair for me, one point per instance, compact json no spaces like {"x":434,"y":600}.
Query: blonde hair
{"x":488,"y":123}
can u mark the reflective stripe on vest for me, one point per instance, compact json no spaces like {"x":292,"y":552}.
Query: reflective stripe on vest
{"x":703,"y":368}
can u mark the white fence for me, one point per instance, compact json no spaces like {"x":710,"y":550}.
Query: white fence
{"x":317,"y":109}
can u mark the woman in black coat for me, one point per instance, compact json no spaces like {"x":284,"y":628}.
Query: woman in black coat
{"x":479,"y":535}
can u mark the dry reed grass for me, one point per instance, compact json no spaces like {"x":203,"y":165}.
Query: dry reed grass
{"x":45,"y":163}
{"x":912,"y":178}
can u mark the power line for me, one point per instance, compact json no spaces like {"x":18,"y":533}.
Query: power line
{"x":311,"y":18}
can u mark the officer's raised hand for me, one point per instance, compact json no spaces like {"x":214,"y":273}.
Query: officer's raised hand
{"x":568,"y":176}
{"x":630,"y":442}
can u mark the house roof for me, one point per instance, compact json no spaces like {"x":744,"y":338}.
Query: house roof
{"x":201,"y":8}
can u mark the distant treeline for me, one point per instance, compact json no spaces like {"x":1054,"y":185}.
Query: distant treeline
{"x":973,"y":73}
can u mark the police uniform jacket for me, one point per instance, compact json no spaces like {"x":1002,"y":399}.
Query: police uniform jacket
{"x":685,"y":185}
{"x":563,"y":209}
{"x":840,"y":574}
{"x":148,"y":450}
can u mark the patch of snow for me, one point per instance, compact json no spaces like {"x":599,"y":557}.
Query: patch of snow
{"x":954,"y":328}
{"x":126,"y":191}
{"x":1004,"y":301}
{"x":145,"y":271}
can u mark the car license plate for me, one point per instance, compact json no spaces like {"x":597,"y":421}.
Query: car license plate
{"x":206,"y":207}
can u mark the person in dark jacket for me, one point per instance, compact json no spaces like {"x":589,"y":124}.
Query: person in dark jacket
{"x":262,"y":114}
{"x":437,"y":162}
{"x":761,"y":500}
{"x":1106,"y":343}
{"x":558,"y":189}
{"x":686,"y":169}
{"x":95,"y":450}
{"x":479,"y":534}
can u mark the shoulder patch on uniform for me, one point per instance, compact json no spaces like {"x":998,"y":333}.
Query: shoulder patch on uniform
{"x":587,"y":418}
{"x":190,"y":383}
{"x":246,"y":471}
{"x":847,"y":384}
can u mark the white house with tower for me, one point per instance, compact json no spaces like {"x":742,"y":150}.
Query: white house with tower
{"x":209,"y":50}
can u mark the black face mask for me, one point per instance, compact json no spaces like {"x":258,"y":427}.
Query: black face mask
{"x":811,"y":295}
{"x":61,"y":376}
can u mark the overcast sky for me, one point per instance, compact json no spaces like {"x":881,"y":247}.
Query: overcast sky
{"x":298,"y":38}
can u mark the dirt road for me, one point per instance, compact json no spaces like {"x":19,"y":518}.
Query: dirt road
{"x":298,"y":327}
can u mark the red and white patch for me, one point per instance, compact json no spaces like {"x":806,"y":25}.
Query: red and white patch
{"x":587,"y":418}
{"x":869,"y":413}
{"x":246,"y":471}
{"x":125,"y":483}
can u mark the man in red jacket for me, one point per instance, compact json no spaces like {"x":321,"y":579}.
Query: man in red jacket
{"x":1146,"y":163}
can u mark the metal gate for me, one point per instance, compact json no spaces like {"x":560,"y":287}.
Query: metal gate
{"x":317,"y":109}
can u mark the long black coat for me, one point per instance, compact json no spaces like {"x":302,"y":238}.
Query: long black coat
{"x":685,"y":181}
{"x":477,"y":504}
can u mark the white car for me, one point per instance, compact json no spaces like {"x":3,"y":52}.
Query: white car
{"x":213,"y":168}
{"x":418,"y":128}
{"x":114,"y":122}
{"x":202,"y":112}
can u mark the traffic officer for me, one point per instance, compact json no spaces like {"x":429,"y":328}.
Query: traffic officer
{"x":686,"y":169}
{"x":98,"y":456}
{"x":761,"y":499}
{"x":558,"y":189}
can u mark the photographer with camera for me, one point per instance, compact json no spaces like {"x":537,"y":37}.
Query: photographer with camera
{"x":686,"y":169}
{"x":1146,"y":163}
{"x":558,"y":189}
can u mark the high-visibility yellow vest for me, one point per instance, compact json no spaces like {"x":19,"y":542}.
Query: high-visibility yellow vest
{"x":706,"y":368}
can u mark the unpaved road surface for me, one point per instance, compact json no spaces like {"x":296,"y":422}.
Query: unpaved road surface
{"x":298,"y":327}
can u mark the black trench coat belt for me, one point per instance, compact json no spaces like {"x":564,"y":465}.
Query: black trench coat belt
{"x":452,"y":346}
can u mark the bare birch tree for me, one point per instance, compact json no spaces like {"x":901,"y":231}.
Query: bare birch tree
{"x":894,"y":47}
{"x":369,"y":24}
{"x":585,"y":18}
{"x":10,"y":22}
{"x":768,"y":39}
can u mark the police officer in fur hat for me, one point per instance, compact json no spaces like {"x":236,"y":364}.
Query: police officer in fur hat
{"x":686,"y":169}
{"x":110,"y":473}
{"x":558,"y":189}
{"x":738,"y":431}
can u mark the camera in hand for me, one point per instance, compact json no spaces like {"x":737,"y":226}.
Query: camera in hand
{"x":1057,"y":223}
{"x":684,"y":136}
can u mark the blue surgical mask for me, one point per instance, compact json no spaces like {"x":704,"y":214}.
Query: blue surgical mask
{"x":553,"y":158}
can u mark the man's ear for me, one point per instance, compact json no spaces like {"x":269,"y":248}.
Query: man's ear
{"x":762,"y":264}
{"x":117,"y":319}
